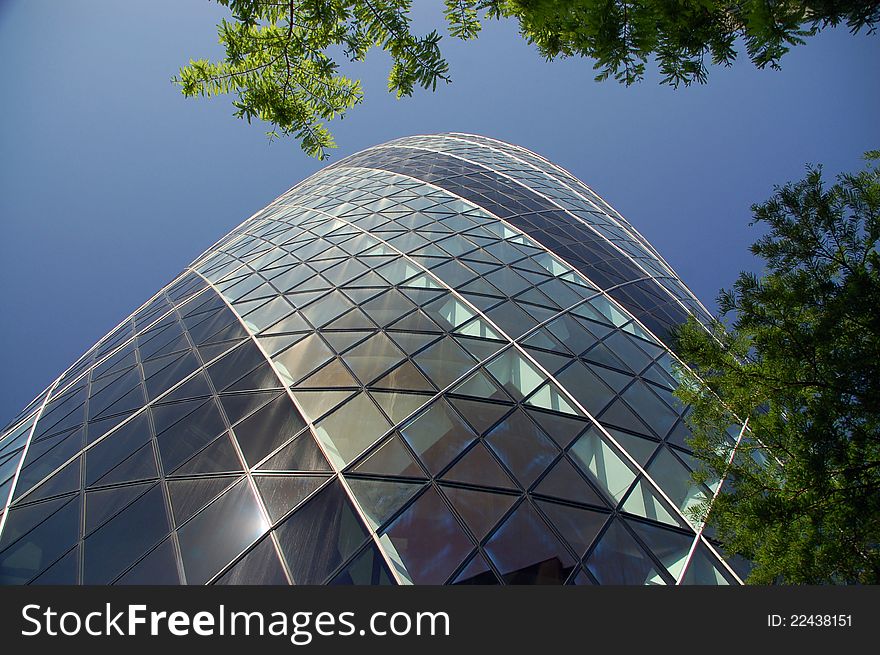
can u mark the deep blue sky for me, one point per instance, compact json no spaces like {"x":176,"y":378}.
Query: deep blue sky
{"x":111,"y":182}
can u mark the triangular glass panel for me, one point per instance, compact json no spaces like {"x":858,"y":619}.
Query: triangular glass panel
{"x":399,"y":406}
{"x":342,"y":341}
{"x":328,"y":307}
{"x":479,"y":385}
{"x":415,"y":322}
{"x":640,"y":449}
{"x":422,"y":296}
{"x":368,"y":568}
{"x":189,"y":496}
{"x":22,"y":561}
{"x":190,"y":434}
{"x":64,"y":481}
{"x":317,"y":403}
{"x":577,"y":526}
{"x":550,"y":397}
{"x":412,"y":342}
{"x":481,"y":510}
{"x":620,"y":415}
{"x":218,"y":457}
{"x":411,"y":541}
{"x":300,"y":299}
{"x":670,"y":547}
{"x":302,"y":358}
{"x":550,"y":361}
{"x":350,"y":429}
{"x":104,"y":503}
{"x":281,"y":493}
{"x":525,"y":551}
{"x":219,"y":533}
{"x":369,"y":279}
{"x":565,"y":483}
{"x":319,"y":536}
{"x":444,"y":362}
{"x":164,"y":416}
{"x":22,"y":520}
{"x":477,"y":572}
{"x":210,"y":351}
{"x":262,"y":377}
{"x":541,"y":338}
{"x":615,"y":379}
{"x":267,"y":428}
{"x":515,"y":373}
{"x":480,"y":415}
{"x":380,"y":499}
{"x":260,"y":566}
{"x":63,"y":572}
{"x":478,"y":467}
{"x":642,"y":501}
{"x":373,"y":357}
{"x":334,"y":374}
{"x":438,"y":436}
{"x":562,"y":429}
{"x":391,"y":458}
{"x":195,"y":387}
{"x":122,"y":540}
{"x":478,"y":328}
{"x":404,"y":377}
{"x":481,"y":349}
{"x":602,"y":464}
{"x":293,"y":323}
{"x":523,"y":447}
{"x":301,"y":454}
{"x":618,"y":559}
{"x":239,"y":405}
{"x":704,"y":568}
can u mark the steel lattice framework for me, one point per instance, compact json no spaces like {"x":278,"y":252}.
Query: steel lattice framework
{"x":440,"y":360}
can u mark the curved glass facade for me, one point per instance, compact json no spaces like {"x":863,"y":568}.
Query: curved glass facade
{"x":440,"y":360}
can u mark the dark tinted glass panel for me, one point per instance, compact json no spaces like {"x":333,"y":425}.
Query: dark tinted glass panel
{"x":281,"y":493}
{"x":379,"y":499}
{"x":476,"y":572}
{"x":481,"y":510}
{"x":618,"y":559}
{"x":321,"y":535}
{"x":368,"y":568}
{"x":444,"y":362}
{"x":189,"y":435}
{"x":302,"y":454}
{"x":215,"y":536}
{"x":140,"y":465}
{"x":157,"y":568}
{"x":477,"y":466}
{"x":565,"y":483}
{"x":268,"y":428}
{"x":260,"y":566}
{"x":522,"y":446}
{"x":63,"y":572}
{"x":578,"y":527}
{"x":217,"y":457}
{"x":391,"y":458}
{"x":103,"y":504}
{"x":525,"y":550}
{"x":189,"y":496}
{"x":428,"y":540}
{"x":124,"y":538}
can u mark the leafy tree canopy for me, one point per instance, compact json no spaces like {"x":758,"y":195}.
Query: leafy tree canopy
{"x":800,"y":362}
{"x":281,"y":65}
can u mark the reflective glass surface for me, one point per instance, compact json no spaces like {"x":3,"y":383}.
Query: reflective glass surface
{"x":440,"y":360}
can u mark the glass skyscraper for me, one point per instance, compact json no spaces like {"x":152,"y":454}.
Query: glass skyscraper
{"x":442,"y":360}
